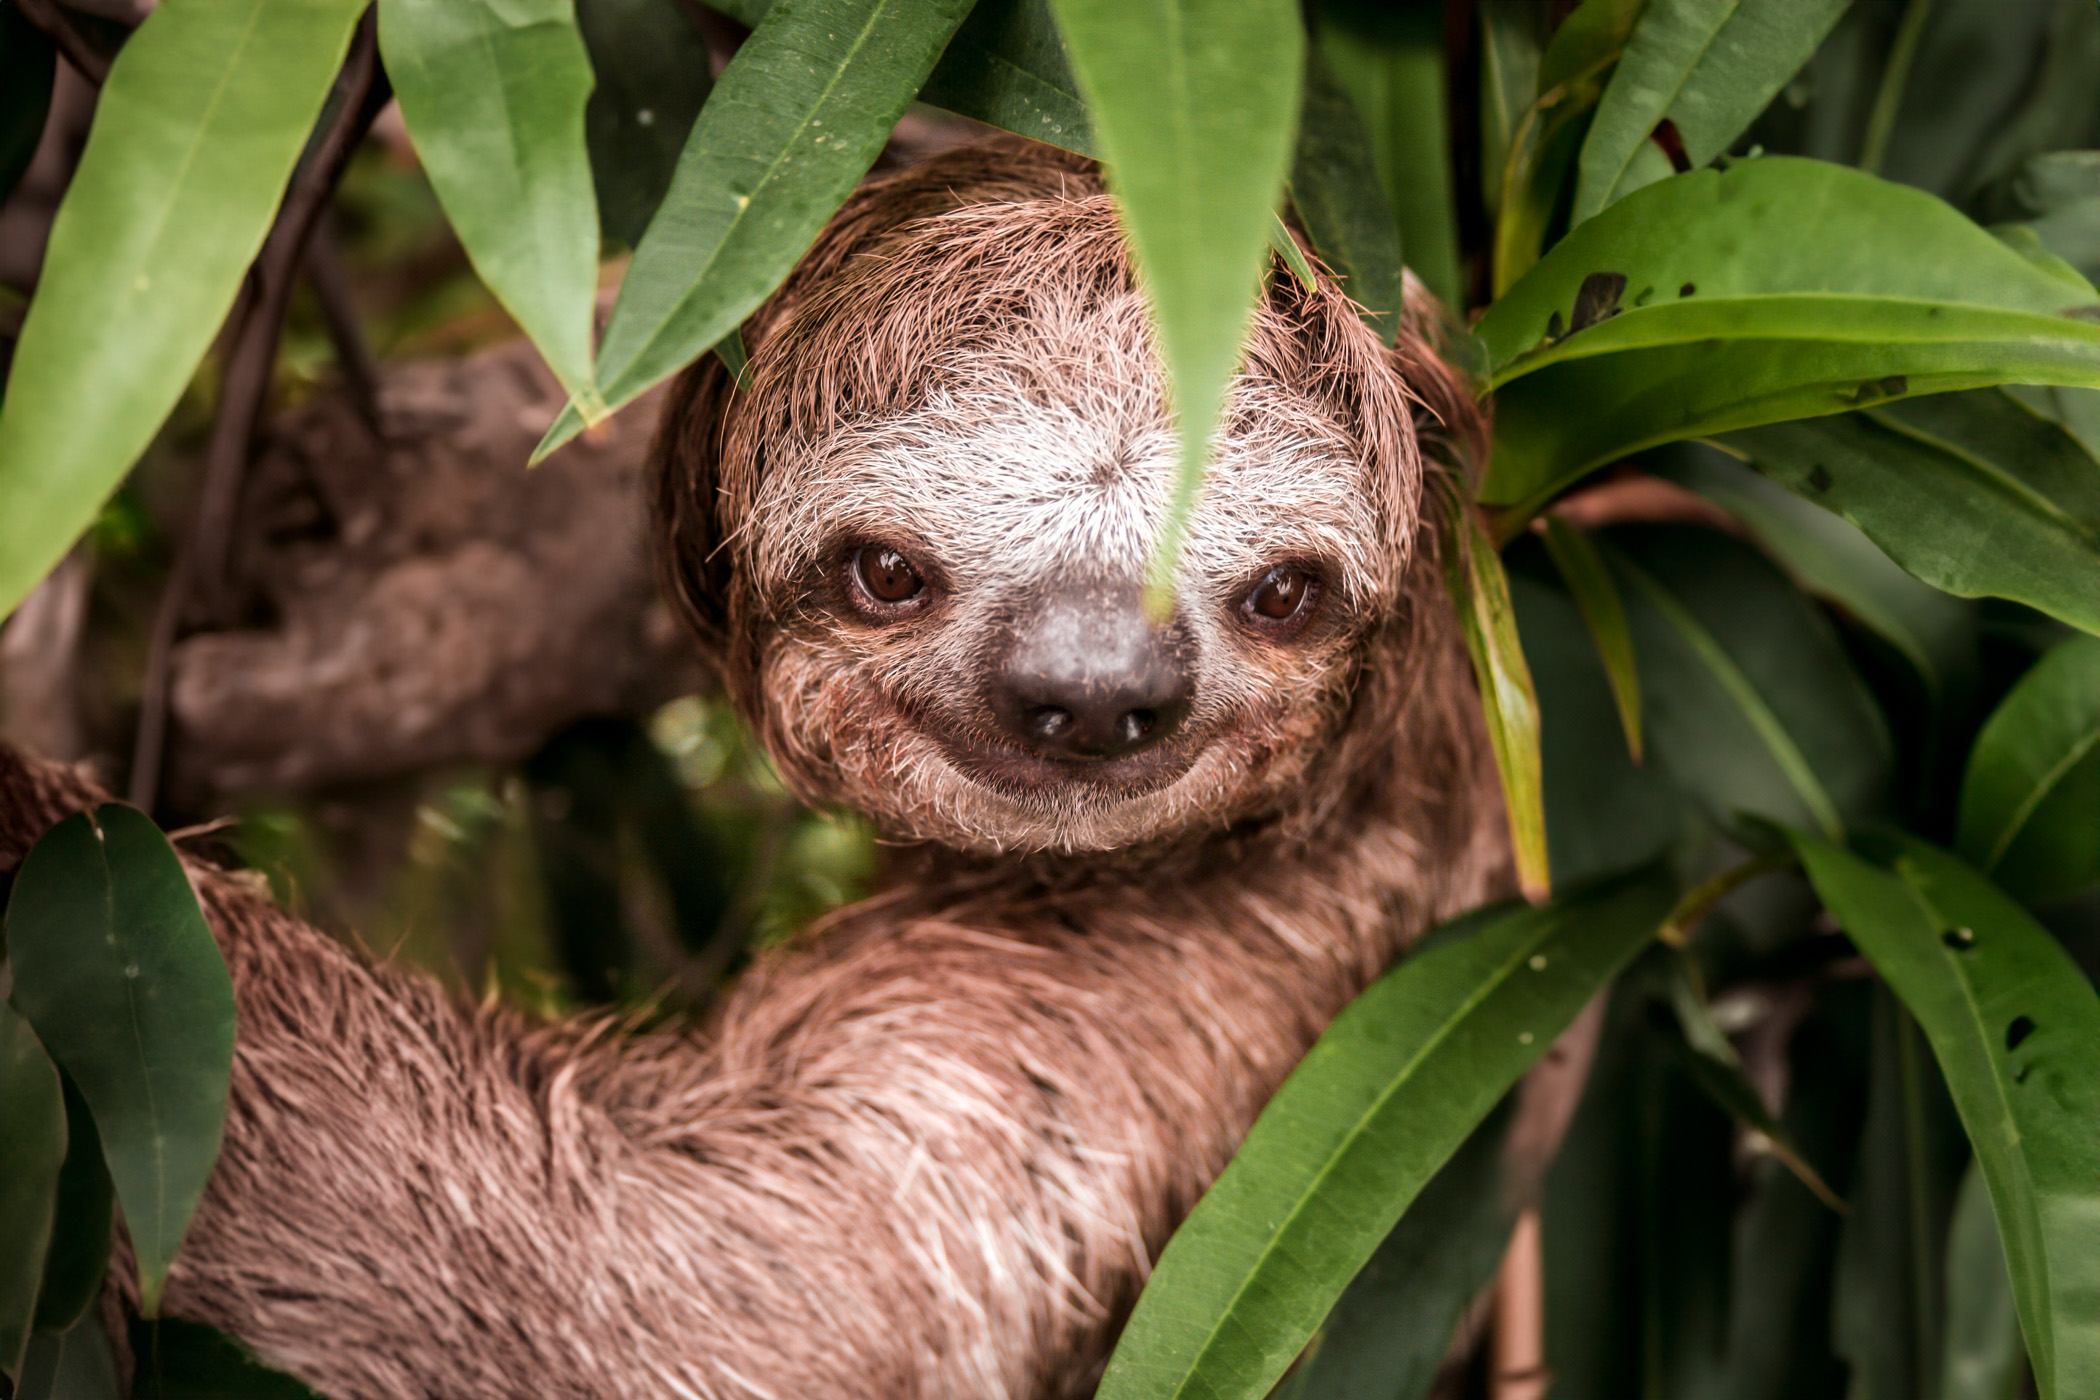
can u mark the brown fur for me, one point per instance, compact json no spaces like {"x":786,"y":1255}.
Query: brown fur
{"x":932,"y":1149}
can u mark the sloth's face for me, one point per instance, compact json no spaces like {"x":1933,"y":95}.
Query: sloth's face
{"x":952,"y":631}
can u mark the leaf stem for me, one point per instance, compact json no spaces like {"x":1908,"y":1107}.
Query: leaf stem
{"x":1895,"y":81}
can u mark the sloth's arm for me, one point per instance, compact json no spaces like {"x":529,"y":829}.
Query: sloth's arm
{"x":926,"y":1157}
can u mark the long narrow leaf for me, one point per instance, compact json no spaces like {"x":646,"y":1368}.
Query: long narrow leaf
{"x":795,"y":121}
{"x":1395,"y":72}
{"x":2030,"y":801}
{"x":116,"y":968}
{"x":1334,"y":185}
{"x":1708,"y":67}
{"x":1194,"y":104}
{"x":1488,"y":620}
{"x":1832,"y":559}
{"x":493,"y":95}
{"x":652,"y":67}
{"x":1391,"y":1090}
{"x":2016,"y":1029}
{"x":195,"y":135}
{"x":31,"y":1149}
{"x":1006,"y":67}
{"x":1983,"y":1358}
{"x":1777,"y":289}
{"x":1751,"y":704}
{"x":1976,"y":494}
{"x":1589,"y":584}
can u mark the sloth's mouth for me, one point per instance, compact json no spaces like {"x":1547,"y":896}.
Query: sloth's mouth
{"x":1019,"y":775}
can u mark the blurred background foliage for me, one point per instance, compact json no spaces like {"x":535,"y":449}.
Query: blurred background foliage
{"x":1766,"y":1190}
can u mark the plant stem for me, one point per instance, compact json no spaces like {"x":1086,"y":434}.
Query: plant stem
{"x":1895,"y":80}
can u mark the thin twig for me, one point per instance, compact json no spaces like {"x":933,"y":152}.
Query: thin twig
{"x":330,"y":280}
{"x":44,"y":14}
{"x":257,"y":324}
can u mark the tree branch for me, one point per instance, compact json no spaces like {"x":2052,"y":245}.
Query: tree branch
{"x":258,"y":324}
{"x":44,"y":14}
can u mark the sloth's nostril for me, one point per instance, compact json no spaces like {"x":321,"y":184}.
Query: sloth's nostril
{"x":1050,"y":723}
{"x":1133,"y":727}
{"x":1088,"y":676}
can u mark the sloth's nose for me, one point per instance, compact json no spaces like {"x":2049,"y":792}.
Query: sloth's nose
{"x":1089,"y":677}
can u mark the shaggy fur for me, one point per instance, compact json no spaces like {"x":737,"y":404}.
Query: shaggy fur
{"x":931,"y":1150}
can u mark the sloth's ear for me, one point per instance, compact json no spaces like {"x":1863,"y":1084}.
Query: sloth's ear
{"x":1451,"y":428}
{"x":685,"y":512}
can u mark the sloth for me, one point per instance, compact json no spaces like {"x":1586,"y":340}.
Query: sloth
{"x":1134,"y":863}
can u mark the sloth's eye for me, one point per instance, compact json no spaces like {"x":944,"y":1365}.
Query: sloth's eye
{"x":1281,"y":598}
{"x":886,"y":575}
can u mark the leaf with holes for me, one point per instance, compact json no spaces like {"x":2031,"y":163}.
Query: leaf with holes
{"x":195,"y":135}
{"x":1398,"y":1082}
{"x":2030,"y":801}
{"x":1708,"y":67}
{"x":1776,"y":289}
{"x":116,"y":968}
{"x":1977,"y":494}
{"x":2015,"y":1026}
{"x":1832,"y":559}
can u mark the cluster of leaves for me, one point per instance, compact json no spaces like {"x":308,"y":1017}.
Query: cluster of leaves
{"x":116,"y":1052}
{"x":1666,"y":225}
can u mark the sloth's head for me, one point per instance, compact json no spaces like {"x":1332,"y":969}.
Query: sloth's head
{"x":918,"y":537}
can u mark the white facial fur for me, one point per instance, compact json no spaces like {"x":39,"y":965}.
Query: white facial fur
{"x":1002,"y":489}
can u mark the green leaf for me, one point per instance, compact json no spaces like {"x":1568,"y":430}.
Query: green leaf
{"x":1286,"y":247}
{"x":1991,"y":85}
{"x":116,"y":968}
{"x":493,"y":94}
{"x":653,"y":74}
{"x":1706,"y":66}
{"x":1394,"y":70}
{"x":195,"y":135}
{"x":795,"y":121}
{"x":1397,"y":1083}
{"x":1535,"y":176}
{"x":1006,"y":67}
{"x":2058,"y":194}
{"x":1936,"y":634}
{"x":28,"y":64}
{"x":77,"y":1364}
{"x":1984,"y":1359}
{"x":1779,"y":288}
{"x":1511,"y":46}
{"x":1193,"y":104}
{"x":31,"y":1150}
{"x":1335,"y":186}
{"x":1976,"y":494}
{"x":1389,"y":1333}
{"x":1604,"y":815}
{"x":2029,"y":798}
{"x":180,"y":1360}
{"x":1751,"y":705}
{"x":1710,"y":1058}
{"x":2016,"y":1029}
{"x":1589,"y":584}
{"x":80,"y":1228}
{"x":1487,"y":619}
